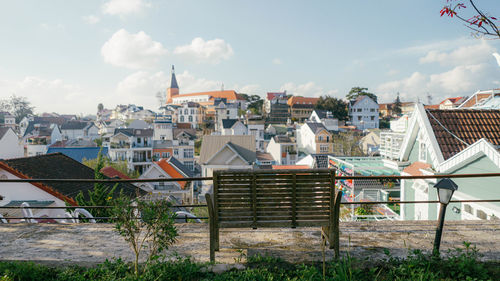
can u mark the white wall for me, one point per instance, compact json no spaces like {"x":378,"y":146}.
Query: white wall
{"x":10,"y":146}
{"x":306,"y":139}
{"x":369,"y":109}
{"x":26,"y":191}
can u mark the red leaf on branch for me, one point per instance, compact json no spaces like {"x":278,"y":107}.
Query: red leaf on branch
{"x":480,"y":23}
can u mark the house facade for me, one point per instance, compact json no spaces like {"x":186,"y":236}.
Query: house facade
{"x":133,"y":145}
{"x":224,"y":153}
{"x":326,"y":118}
{"x":166,"y":168}
{"x":300,"y":108}
{"x":10,"y":145}
{"x":314,"y":138}
{"x":283,"y":150}
{"x":364,"y":113}
{"x":451,"y":142}
{"x":276,"y":108}
{"x":191,"y":112}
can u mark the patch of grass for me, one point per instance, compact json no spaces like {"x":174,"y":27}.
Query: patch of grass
{"x":461,"y":264}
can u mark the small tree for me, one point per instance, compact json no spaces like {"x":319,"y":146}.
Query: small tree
{"x":20,"y":107}
{"x":396,"y":109}
{"x":101,"y":195}
{"x":336,"y":106}
{"x":355,"y":92}
{"x":145,"y":225}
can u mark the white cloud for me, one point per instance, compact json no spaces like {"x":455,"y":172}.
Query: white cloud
{"x":461,"y":80}
{"x":124,"y":7}
{"x":250,"y":89}
{"x":469,"y":68}
{"x":48,"y":95}
{"x":465,"y":55}
{"x":142,"y":86}
{"x":91,"y":19}
{"x":277,"y":61}
{"x":133,"y":51}
{"x":309,"y":89}
{"x":211,"y":51}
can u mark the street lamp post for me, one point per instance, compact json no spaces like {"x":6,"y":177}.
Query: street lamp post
{"x":445,"y":188}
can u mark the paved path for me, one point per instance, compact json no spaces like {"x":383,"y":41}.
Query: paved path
{"x":87,"y":244}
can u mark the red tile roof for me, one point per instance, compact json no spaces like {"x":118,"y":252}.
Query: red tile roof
{"x":414,"y":168}
{"x":272,"y":95}
{"x":302,"y":100}
{"x":456,"y":129}
{"x":453,"y":100}
{"x":171,"y":171}
{"x":113,"y":173}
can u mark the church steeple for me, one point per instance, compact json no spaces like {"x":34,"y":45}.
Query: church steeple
{"x":173,"y":81}
{"x":174,"y":87}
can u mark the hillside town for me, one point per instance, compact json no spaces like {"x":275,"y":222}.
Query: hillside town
{"x":195,"y":134}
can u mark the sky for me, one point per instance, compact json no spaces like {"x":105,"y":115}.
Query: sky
{"x":66,"y":56}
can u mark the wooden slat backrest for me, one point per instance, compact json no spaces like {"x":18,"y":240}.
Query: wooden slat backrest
{"x":272,"y":198}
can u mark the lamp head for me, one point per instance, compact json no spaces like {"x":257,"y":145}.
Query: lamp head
{"x":445,"y":188}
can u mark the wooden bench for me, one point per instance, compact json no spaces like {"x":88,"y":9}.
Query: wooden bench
{"x":274,"y":198}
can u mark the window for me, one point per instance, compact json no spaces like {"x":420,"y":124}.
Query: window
{"x":482,"y":215}
{"x":176,"y":152}
{"x":372,"y":109}
{"x":359,"y":118}
{"x":157,"y":154}
{"x":188,"y":153}
{"x":186,"y":111}
{"x":468,"y":209}
{"x":359,"y":110}
{"x":323,"y":148}
{"x":372,"y":118}
{"x":182,"y":118}
{"x":164,"y":155}
{"x":422,"y":155}
{"x":189,"y":165}
{"x":192,"y":111}
{"x":138,"y":140}
{"x":227,"y":112}
{"x":320,"y":138}
{"x":190,"y":118}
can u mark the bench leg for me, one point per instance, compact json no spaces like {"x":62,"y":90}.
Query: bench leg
{"x":212,"y":228}
{"x":216,"y":247}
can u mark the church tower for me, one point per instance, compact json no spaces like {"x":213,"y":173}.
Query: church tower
{"x":174,"y":88}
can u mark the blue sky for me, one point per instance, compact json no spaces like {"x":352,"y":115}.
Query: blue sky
{"x":67,"y":56}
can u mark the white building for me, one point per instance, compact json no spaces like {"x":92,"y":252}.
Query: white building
{"x":133,"y":145}
{"x":190,"y":112}
{"x":363,"y":113}
{"x":224,"y":111}
{"x":163,"y":129}
{"x":326,"y":118}
{"x":391,"y":141}
{"x":256,"y":128}
{"x":283,"y":150}
{"x":223,"y":153}
{"x":314,"y":138}
{"x":10,"y":145}
{"x":233,"y":127}
{"x":168,"y":168}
